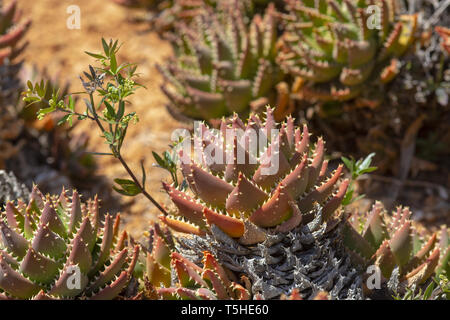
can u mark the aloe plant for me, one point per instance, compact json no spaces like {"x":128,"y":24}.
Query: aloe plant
{"x":340,"y":49}
{"x":55,"y":247}
{"x":392,"y":243}
{"x":222,"y":64}
{"x":262,"y":225}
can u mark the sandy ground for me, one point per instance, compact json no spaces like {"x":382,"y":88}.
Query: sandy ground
{"x":61,"y":51}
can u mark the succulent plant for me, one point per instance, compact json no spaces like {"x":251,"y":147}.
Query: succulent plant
{"x":278,"y":228}
{"x":338,"y":49}
{"x":392,"y":243}
{"x":222,"y":64}
{"x":11,"y":34}
{"x":58,"y":248}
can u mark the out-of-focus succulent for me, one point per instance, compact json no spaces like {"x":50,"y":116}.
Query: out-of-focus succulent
{"x":147,"y":4}
{"x":278,"y":228}
{"x":222,"y":64}
{"x":11,"y":34}
{"x":393,"y":245}
{"x":56,"y":247}
{"x":340,"y":49}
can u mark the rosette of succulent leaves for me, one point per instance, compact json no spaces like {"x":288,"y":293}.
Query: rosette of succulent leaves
{"x":56,"y":247}
{"x":407,"y":260}
{"x":223,"y":64}
{"x":281,"y":230}
{"x":163,"y":14}
{"x":340,"y":53}
{"x":12,"y":32}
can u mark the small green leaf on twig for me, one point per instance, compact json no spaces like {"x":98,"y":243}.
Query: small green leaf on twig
{"x":129,"y":188}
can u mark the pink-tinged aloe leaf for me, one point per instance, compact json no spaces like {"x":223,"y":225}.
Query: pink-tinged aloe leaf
{"x":240,"y":292}
{"x":400,"y":217}
{"x":9,"y":259}
{"x":116,"y":228}
{"x":161,"y":251}
{"x":50,"y":217}
{"x":157,"y":274}
{"x":316,"y":165}
{"x":210,"y":188}
{"x":209,"y":262}
{"x":49,"y":243}
{"x":105,"y":246}
{"x":425,"y":270}
{"x":87,"y":233}
{"x":302,"y":140}
{"x":187,"y":276}
{"x":231,"y":226}
{"x":120,"y":244}
{"x":95,"y":214}
{"x":216,"y":283}
{"x":190,"y":264}
{"x":14,"y":242}
{"x":422,"y":253}
{"x":43,"y":296}
{"x":374,"y":230}
{"x":333,"y":204}
{"x":181,"y":226}
{"x":80,"y":254}
{"x":444,"y":265}
{"x":187,"y":294}
{"x":384,"y":259}
{"x":75,"y":212}
{"x":38,"y":267}
{"x":297,"y":180}
{"x":263,"y":175}
{"x":285,"y":146}
{"x":355,"y":242}
{"x":187,"y":207}
{"x":275,"y":210}
{"x":320,"y":193}
{"x":290,"y":132}
{"x":14,"y":283}
{"x":13,"y":216}
{"x":134,"y":260}
{"x":323,"y":172}
{"x":206,"y":294}
{"x":242,"y":162}
{"x":61,"y":287}
{"x":293,"y":221}
{"x":36,"y":200}
{"x":401,"y":244}
{"x":111,"y":291}
{"x":110,"y":272}
{"x":168,"y":293}
{"x":269,"y":123}
{"x":29,"y":224}
{"x":11,"y":38}
{"x":245,"y":197}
